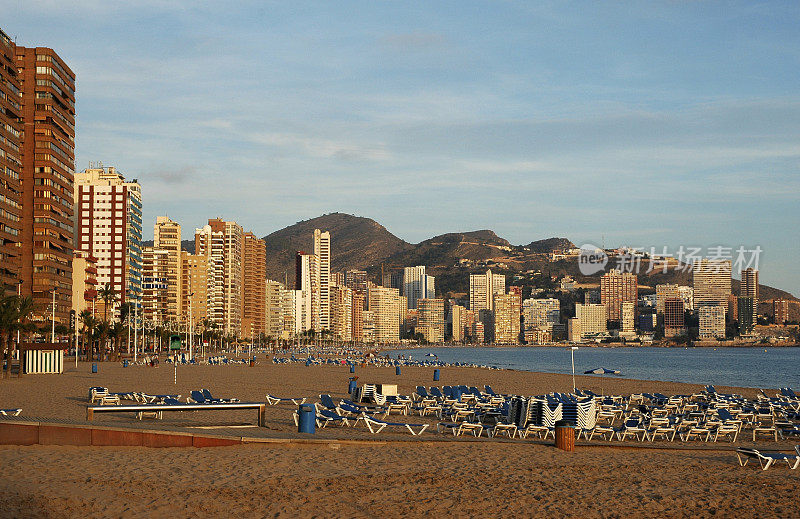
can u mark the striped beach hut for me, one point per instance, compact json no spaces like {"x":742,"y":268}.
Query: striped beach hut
{"x":43,"y":357}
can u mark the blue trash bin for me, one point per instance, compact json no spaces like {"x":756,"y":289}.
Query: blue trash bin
{"x":94,"y":367}
{"x":397,"y":370}
{"x":436,"y":375}
{"x":308,"y":362}
{"x":351,"y":388}
{"x":306,"y":422}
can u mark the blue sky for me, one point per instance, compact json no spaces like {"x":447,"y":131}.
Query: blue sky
{"x":640,"y":123}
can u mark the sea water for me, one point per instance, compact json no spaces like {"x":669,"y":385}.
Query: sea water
{"x":743,"y":367}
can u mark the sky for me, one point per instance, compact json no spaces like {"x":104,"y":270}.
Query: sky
{"x":646,"y":124}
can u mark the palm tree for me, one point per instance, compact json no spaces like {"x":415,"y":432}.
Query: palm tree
{"x":101,"y":334}
{"x":14,"y":314}
{"x":109,"y":296}
{"x":8,"y":320}
{"x":116,"y":331}
{"x":89,"y":322}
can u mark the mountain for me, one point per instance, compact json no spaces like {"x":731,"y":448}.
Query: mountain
{"x":549,"y":245}
{"x":447,"y":249}
{"x":356,"y":243}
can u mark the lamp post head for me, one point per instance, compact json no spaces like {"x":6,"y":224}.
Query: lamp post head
{"x":574,"y":348}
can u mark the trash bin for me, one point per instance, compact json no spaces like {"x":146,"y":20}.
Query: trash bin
{"x":352,"y":368}
{"x":397,"y":370}
{"x":94,"y":367}
{"x":351,"y":388}
{"x":436,"y":375}
{"x":565,"y":435}
{"x":308,"y":362}
{"x":306,"y":422}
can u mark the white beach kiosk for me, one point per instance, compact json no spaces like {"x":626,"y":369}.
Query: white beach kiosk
{"x":42,"y":357}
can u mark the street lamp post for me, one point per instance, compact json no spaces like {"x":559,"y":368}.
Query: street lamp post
{"x":19,"y":298}
{"x":191,"y":327}
{"x":53,"y":329}
{"x":572,"y":352}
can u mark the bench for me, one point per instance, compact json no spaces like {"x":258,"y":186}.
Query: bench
{"x":160,"y":408}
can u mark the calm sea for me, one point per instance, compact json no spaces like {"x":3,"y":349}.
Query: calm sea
{"x":743,"y":367}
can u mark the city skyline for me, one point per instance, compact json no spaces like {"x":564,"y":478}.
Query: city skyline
{"x":559,"y":106}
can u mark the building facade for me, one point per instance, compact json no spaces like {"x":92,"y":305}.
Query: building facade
{"x":592,"y":320}
{"x":47,"y":152}
{"x":711,"y":320}
{"x":431,"y":319}
{"x":507,"y":309}
{"x":780,"y":311}
{"x":109,"y":227}
{"x":10,"y":169}
{"x":385,"y":311}
{"x":616,"y":288}
{"x":167,"y":237}
{"x":712,"y":282}
{"x":322,"y":308}
{"x":254,"y":261}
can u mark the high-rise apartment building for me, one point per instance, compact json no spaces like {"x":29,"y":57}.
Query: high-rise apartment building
{"x":10,"y":169}
{"x":222,"y":242}
{"x":167,"y":237}
{"x":84,"y":281}
{"x":780,"y":311}
{"x":627,"y":320}
{"x":357,"y":316}
{"x":747,"y":314}
{"x":273,"y":313}
{"x":108,"y":219}
{"x":541,"y":312}
{"x":674,"y":317}
{"x":712,"y":320}
{"x":254,"y":257}
{"x":417,"y":285}
{"x":155,"y":287}
{"x":430,"y":322}
{"x":507,"y":309}
{"x":664,"y":292}
{"x":749,"y":288}
{"x":47,"y":153}
{"x":458,"y":319}
{"x":712,"y":282}
{"x":483,"y":288}
{"x":385,"y":310}
{"x":591,"y":319}
{"x":194,"y":287}
{"x":322,"y":250}
{"x":616,"y":288}
{"x":356,"y":280}
{"x":749,"y":284}
{"x":308,"y":292}
{"x":341,"y":306}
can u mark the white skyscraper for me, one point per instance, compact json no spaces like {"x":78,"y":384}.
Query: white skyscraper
{"x":322,"y":250}
{"x":483,"y":288}
{"x":417,"y":285}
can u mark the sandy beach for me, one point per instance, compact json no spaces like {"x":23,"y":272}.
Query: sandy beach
{"x":386,"y":475}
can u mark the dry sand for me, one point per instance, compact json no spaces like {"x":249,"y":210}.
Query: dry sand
{"x":453,"y":477}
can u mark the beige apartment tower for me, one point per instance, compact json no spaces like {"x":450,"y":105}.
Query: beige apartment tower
{"x":430,"y":320}
{"x":712,"y":282}
{"x":507,"y":311}
{"x":167,"y":237}
{"x":254,"y":257}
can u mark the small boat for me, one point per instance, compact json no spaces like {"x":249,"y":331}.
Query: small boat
{"x":602,"y":371}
